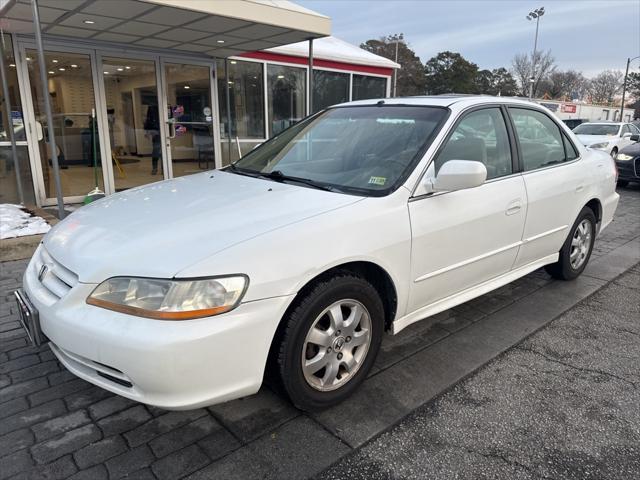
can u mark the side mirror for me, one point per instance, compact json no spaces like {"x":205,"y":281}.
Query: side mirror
{"x":459,"y":175}
{"x":635,"y":138}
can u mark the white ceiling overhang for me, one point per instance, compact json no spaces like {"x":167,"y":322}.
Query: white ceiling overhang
{"x":218,"y":28}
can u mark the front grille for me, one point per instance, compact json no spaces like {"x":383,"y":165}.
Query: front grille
{"x":52,"y":275}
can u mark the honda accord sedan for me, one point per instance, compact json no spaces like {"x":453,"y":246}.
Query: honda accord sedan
{"x":359,"y":220}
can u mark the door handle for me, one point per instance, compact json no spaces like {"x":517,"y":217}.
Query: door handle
{"x":513,"y":207}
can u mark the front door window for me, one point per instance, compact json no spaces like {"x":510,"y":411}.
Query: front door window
{"x":133,"y":121}
{"x":70,"y":87}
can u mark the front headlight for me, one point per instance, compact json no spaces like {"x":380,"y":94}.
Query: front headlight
{"x":170,"y":299}
{"x":624,"y":157}
{"x":599,"y":145}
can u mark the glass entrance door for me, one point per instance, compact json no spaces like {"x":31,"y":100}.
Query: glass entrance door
{"x":133,"y":120}
{"x":71,"y":91}
{"x":190,"y":118}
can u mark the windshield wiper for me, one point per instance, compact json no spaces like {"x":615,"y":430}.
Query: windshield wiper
{"x":278,"y":176}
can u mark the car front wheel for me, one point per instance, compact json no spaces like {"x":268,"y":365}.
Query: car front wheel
{"x":576,"y":251}
{"x":331,"y":338}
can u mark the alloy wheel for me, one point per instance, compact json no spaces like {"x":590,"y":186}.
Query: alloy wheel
{"x":580,"y":244}
{"x":336,"y":345}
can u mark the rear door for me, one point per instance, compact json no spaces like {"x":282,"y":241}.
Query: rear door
{"x":554,"y":179}
{"x":463,"y":238}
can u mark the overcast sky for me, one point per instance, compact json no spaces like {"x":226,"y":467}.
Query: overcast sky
{"x":587,"y":35}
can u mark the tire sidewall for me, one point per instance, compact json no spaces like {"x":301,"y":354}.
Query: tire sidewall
{"x":301,"y":320}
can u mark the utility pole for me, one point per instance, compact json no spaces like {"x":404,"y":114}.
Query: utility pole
{"x":537,"y":13}
{"x":624,"y":86}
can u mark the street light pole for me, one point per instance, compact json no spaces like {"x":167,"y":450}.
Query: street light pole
{"x":397,"y":38}
{"x":624,"y":85}
{"x":537,"y":13}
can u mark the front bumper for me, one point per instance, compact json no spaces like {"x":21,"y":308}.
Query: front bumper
{"x":169,"y":364}
{"x":629,"y":169}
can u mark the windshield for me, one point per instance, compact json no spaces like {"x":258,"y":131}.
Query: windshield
{"x":596,"y":129}
{"x":365,"y":149}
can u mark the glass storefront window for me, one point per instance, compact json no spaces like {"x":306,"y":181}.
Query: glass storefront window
{"x":286,"y":90}
{"x":365,"y":87}
{"x":14,"y":96}
{"x":133,"y":121}
{"x":246,"y":95}
{"x":8,"y":186}
{"x":70,"y":88}
{"x":329,"y":88}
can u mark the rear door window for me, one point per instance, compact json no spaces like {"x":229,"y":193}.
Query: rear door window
{"x":541,"y":142}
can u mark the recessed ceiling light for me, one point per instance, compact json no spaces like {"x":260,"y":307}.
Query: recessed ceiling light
{"x":128,"y":67}
{"x":233,"y":62}
{"x":187,"y":87}
{"x":106,"y":73}
{"x":51,"y":72}
{"x":54,"y":60}
{"x":230,"y":83}
{"x":280,"y":76}
{"x":73,"y":65}
{"x":220,"y":41}
{"x":61,"y":69}
{"x":88,"y":22}
{"x":120,"y":69}
{"x":12,"y":64}
{"x":28,"y":58}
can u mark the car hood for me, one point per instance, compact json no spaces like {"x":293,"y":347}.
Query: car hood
{"x":588,"y":140}
{"x":633,"y":149}
{"x":159,"y":229}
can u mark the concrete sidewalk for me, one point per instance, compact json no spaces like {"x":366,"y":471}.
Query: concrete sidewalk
{"x":565,"y":403}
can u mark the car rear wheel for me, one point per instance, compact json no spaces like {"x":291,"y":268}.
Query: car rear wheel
{"x":576,"y":251}
{"x":331,"y":338}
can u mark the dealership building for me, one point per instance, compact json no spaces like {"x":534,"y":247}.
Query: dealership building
{"x":142,"y":90}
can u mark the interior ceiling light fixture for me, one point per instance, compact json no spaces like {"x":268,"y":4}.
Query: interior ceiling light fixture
{"x":120,"y":69}
{"x":54,"y":60}
{"x":233,"y":62}
{"x":12,"y":65}
{"x":106,"y":73}
{"x":128,"y":67}
{"x":73,"y":65}
{"x":61,"y":69}
{"x":187,"y":87}
{"x":220,"y":41}
{"x":51,"y":72}
{"x":89,"y":22}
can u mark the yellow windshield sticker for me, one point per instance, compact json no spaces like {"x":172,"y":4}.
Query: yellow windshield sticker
{"x":377,"y":180}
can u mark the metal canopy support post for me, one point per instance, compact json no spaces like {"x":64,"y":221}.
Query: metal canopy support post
{"x":310,"y":76}
{"x":228,"y":102}
{"x":47,"y":108}
{"x":12,"y":136}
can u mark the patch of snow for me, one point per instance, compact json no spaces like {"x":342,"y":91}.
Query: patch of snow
{"x":15,"y":221}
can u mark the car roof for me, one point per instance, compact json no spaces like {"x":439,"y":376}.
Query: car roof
{"x":442,"y":100}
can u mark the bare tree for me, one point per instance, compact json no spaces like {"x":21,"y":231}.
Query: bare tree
{"x":568,"y":84}
{"x":603,"y":87}
{"x":523,"y":70}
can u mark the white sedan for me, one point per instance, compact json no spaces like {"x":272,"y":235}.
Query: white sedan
{"x":364,"y":218}
{"x":609,"y":137}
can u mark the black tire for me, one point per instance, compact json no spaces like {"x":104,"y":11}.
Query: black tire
{"x":562,"y":269}
{"x":623,"y":183}
{"x":300,"y":320}
{"x":614,"y":152}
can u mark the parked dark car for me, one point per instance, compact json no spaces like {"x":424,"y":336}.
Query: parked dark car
{"x":574,"y":122}
{"x":628,"y":163}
